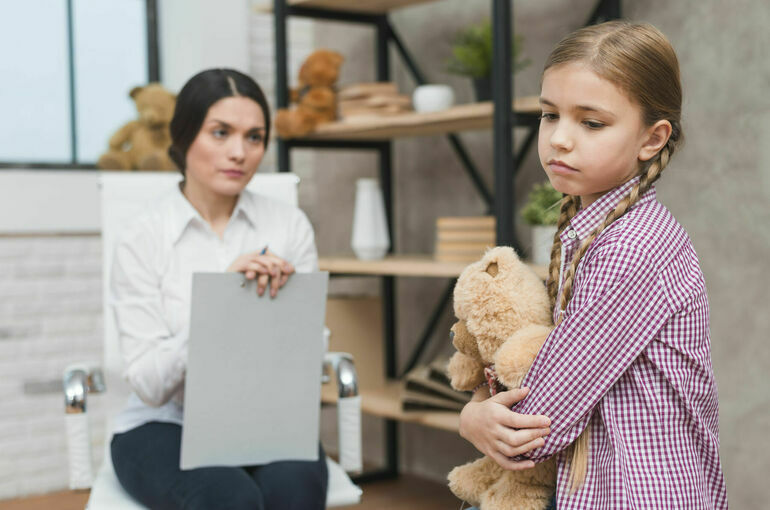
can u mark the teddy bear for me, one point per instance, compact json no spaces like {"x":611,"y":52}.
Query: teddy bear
{"x":143,"y":144}
{"x":504,"y":317}
{"x":316,"y":98}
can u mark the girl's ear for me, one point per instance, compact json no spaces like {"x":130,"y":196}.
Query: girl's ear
{"x":657,"y":136}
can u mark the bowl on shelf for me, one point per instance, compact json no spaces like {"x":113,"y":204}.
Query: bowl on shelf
{"x":432,"y":98}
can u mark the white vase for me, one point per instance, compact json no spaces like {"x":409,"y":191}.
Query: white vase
{"x":542,"y":241}
{"x":370,"y":239}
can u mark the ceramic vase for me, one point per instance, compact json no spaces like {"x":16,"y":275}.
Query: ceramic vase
{"x":370,"y":239}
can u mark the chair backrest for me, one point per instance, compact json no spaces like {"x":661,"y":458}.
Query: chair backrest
{"x":124,"y":196}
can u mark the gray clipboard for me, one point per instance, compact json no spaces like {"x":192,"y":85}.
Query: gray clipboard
{"x":253,"y":383}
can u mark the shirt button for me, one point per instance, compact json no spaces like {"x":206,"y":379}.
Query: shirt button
{"x":571,"y":234}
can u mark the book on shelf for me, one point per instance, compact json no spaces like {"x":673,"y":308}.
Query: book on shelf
{"x":473,"y":236}
{"x":428,"y":388}
{"x":474,"y":223}
{"x":364,"y":90}
{"x":460,"y":248}
{"x":463,"y":238}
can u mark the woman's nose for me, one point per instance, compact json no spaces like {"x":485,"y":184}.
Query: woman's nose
{"x":236,"y":150}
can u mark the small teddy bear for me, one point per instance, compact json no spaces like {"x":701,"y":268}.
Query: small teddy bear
{"x":143,"y":144}
{"x":504,"y":318}
{"x":316,"y":98}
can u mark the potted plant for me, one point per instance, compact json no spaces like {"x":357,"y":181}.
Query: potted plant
{"x":542,"y":212}
{"x":472,"y":57}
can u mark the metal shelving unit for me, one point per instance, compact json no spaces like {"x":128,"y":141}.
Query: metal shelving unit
{"x":504,"y":118}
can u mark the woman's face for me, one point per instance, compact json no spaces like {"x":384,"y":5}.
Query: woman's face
{"x":229,"y":146}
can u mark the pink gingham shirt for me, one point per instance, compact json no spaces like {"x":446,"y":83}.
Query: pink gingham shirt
{"x":632,"y":362}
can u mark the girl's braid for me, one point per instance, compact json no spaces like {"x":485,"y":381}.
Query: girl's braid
{"x":650,"y":174}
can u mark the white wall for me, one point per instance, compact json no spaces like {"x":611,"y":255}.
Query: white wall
{"x":200,"y":34}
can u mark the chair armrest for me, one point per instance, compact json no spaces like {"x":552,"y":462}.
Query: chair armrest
{"x":345,"y":371}
{"x":348,"y":410}
{"x":77,"y":382}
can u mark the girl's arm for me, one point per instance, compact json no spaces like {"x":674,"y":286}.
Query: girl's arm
{"x":489,"y":425}
{"x":618,"y":307}
{"x":155,"y":360}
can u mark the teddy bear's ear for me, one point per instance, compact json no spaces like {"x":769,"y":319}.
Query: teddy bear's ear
{"x":492,"y":269}
{"x":135,"y":91}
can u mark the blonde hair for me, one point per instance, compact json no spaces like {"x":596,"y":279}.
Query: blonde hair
{"x":641,"y":62}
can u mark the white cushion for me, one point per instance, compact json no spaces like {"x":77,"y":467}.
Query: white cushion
{"x":108,"y":494}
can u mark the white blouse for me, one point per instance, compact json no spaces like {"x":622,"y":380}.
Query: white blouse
{"x":151,"y":285}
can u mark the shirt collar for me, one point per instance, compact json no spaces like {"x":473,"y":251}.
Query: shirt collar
{"x":183,"y":213}
{"x":588,"y":219}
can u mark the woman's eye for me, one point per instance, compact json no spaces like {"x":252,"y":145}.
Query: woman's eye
{"x":219,"y":133}
{"x":255,"y":138}
{"x":592,"y":124}
{"x":549,"y":116}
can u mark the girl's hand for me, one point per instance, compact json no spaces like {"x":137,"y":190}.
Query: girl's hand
{"x":265,"y":267}
{"x":500,"y":433}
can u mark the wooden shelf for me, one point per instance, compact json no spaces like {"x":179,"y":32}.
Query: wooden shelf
{"x":467,"y":117}
{"x":385,"y":402}
{"x":402,"y":265}
{"x":364,"y":6}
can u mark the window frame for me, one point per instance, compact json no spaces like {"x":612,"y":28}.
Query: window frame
{"x":153,"y":73}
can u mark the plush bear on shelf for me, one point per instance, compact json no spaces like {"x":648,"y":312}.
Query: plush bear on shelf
{"x":504,"y":318}
{"x":143,"y":144}
{"x":315,"y":99}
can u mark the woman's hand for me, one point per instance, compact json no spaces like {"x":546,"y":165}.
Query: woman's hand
{"x":500,"y":433}
{"x":265,"y":267}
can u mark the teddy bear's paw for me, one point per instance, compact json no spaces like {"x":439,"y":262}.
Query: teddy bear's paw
{"x":508,"y":492}
{"x":154,"y":161}
{"x":469,"y":481}
{"x":113,"y":161}
{"x":465,"y":373}
{"x":515,"y":356}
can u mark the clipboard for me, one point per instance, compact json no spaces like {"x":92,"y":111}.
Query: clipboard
{"x":253,"y":383}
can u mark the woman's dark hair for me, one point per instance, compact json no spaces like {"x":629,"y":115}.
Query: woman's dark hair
{"x":196,"y":97}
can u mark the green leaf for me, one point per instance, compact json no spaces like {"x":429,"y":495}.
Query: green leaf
{"x":542,"y":207}
{"x":472,"y":52}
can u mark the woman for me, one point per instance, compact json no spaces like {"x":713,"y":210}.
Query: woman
{"x":219,"y":134}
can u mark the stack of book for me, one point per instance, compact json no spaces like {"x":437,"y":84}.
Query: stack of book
{"x":366,"y":100}
{"x":463,"y":238}
{"x":427,"y":388}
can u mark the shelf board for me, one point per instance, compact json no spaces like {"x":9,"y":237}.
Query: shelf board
{"x":402,"y":265}
{"x":385,"y":401}
{"x":467,"y":117}
{"x":365,"y":6}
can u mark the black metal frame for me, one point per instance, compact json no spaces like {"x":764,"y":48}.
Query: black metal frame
{"x":506,"y":160}
{"x":153,"y":64}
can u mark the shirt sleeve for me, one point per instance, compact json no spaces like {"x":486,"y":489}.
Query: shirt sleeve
{"x":303,"y":254}
{"x":155,"y":360}
{"x":617,"y":309}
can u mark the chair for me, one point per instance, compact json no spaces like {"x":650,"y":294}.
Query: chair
{"x":124,"y":196}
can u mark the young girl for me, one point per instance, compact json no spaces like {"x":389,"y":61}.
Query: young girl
{"x":219,"y":134}
{"x":626,"y":375}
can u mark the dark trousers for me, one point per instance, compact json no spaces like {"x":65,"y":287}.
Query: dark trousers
{"x":146,"y":461}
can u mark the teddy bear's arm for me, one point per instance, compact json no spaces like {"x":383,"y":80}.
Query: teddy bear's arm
{"x":515,"y":356}
{"x":123,"y":135}
{"x":465,"y":373}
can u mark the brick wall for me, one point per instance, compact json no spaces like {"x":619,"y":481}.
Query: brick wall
{"x":50,"y":316}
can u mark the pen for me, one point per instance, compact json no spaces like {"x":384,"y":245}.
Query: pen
{"x":243,"y":283}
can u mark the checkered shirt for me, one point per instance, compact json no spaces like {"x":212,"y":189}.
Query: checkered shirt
{"x":631,"y":361}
